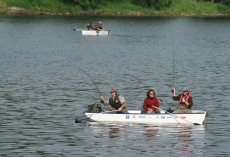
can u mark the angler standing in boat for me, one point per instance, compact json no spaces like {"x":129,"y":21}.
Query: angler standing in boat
{"x":150,"y":103}
{"x":185,"y":101}
{"x":116,"y":101}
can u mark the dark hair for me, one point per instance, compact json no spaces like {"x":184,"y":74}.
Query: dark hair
{"x":151,"y":90}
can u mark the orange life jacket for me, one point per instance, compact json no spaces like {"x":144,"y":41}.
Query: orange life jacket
{"x":181,"y":96}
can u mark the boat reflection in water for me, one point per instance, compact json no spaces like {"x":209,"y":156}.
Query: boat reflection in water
{"x":149,"y":140}
{"x":114,"y":132}
{"x":105,"y":130}
{"x":150,"y":133}
{"x":181,"y":139}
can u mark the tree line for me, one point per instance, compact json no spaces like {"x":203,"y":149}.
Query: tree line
{"x":157,"y":4}
{"x":118,"y":7}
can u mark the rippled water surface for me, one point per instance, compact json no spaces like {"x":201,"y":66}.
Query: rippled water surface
{"x":44,"y":85}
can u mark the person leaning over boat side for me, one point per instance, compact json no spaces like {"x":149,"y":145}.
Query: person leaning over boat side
{"x":185,"y":101}
{"x":116,"y":101}
{"x":149,"y":102}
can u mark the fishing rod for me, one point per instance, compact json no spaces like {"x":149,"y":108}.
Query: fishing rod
{"x":173,"y":63}
{"x":173,"y":67}
{"x":174,"y":117}
{"x":91,"y":79}
{"x":164,"y":103}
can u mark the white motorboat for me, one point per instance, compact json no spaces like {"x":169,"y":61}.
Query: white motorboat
{"x":197,"y":117}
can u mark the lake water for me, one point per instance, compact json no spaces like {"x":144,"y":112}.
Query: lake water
{"x":43,"y":87}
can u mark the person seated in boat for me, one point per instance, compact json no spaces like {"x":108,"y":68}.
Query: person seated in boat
{"x":185,"y":101}
{"x":151,"y":103}
{"x":95,"y":27}
{"x":90,"y":26}
{"x":116,"y":101}
{"x":99,"y":26}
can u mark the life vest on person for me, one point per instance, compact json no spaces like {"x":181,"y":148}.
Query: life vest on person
{"x":181,"y":96}
{"x":115,"y":102}
{"x":99,"y":25}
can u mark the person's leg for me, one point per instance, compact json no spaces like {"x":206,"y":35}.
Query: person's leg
{"x":187,"y":111}
{"x":177,"y":111}
{"x":124,"y":110}
{"x":157,"y":111}
{"x":111,"y":109}
{"x":143,"y":110}
{"x":180,"y":109}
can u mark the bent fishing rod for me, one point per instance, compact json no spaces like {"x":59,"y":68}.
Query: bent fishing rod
{"x":173,"y":63}
{"x":174,"y":117}
{"x":173,"y":67}
{"x":91,"y":80}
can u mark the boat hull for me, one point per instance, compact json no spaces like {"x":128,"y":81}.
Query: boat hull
{"x":134,"y":116}
{"x":95,"y":32}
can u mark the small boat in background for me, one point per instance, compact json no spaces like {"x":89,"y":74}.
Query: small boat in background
{"x":96,"y":32}
{"x":98,"y":29}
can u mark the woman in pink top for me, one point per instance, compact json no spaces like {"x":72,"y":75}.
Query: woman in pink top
{"x":150,"y":104}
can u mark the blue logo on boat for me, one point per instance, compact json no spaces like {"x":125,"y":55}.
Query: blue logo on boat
{"x":141,"y":116}
{"x":127,"y":116}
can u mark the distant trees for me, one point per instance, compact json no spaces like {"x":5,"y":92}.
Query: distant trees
{"x":85,"y":4}
{"x":92,"y":4}
{"x":226,"y":2}
{"x":158,"y":4}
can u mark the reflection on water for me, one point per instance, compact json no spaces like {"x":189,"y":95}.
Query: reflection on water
{"x":149,"y":135}
{"x":114,"y":132}
{"x":182,"y":139}
{"x":150,"y":139}
{"x":150,"y":131}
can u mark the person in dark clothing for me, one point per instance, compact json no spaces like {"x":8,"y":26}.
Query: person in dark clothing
{"x":185,"y":101}
{"x":151,"y":103}
{"x":90,"y":26}
{"x":116,"y":101}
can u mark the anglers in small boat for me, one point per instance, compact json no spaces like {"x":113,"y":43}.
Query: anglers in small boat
{"x":98,"y":26}
{"x":149,"y":102}
{"x":116,"y":101}
{"x":185,"y":101}
{"x":183,"y":115}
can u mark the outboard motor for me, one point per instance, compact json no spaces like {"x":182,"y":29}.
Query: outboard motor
{"x":96,"y":108}
{"x":169,"y":110}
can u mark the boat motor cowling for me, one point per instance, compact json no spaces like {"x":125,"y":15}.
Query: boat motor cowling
{"x":96,"y":108}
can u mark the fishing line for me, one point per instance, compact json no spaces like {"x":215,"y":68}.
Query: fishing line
{"x":173,"y":67}
{"x":175,"y":116}
{"x":91,"y":80}
{"x":173,"y":63}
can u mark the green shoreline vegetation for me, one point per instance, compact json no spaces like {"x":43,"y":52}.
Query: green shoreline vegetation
{"x":117,"y":7}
